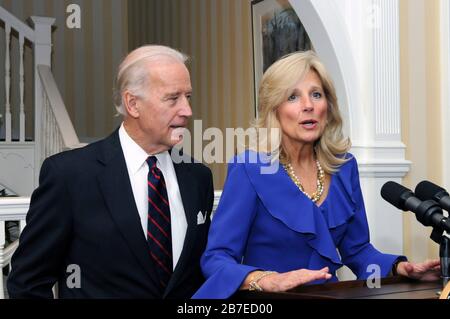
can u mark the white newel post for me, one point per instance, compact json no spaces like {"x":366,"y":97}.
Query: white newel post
{"x":42,"y":56}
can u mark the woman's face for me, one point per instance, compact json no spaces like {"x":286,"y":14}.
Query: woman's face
{"x":303,"y":116}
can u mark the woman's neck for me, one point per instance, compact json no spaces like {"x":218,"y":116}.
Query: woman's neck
{"x":300,"y":155}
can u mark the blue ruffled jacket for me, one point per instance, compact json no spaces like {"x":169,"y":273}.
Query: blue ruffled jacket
{"x":263,"y":221}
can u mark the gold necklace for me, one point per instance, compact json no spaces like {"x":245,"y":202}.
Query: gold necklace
{"x":320,"y":181}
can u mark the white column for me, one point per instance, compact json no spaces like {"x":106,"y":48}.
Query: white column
{"x":445,"y":85}
{"x":42,"y":56}
{"x":382,"y":155}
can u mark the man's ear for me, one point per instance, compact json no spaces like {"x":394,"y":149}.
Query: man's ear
{"x":130,"y":102}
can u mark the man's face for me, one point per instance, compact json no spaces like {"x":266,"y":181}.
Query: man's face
{"x":165,"y":109}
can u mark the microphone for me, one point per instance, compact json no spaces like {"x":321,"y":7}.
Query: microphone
{"x":427,"y":190}
{"x":428,"y":212}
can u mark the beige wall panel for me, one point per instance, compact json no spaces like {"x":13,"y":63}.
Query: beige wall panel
{"x":420,"y":98}
{"x":216,"y":34}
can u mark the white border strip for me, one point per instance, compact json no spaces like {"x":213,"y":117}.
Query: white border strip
{"x":445,"y":85}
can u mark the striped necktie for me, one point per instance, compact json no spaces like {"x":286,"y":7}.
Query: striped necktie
{"x":159,"y":236}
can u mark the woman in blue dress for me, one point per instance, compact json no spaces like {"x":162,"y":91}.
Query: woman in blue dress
{"x":292,"y":210}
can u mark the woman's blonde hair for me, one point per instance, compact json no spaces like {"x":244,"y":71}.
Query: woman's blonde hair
{"x":277,"y":84}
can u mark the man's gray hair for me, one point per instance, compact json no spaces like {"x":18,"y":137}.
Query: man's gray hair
{"x":133,"y":76}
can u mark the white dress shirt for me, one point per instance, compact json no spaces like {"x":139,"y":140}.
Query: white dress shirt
{"x":135,"y":158}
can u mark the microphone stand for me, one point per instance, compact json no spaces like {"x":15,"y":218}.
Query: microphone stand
{"x":439,"y":237}
{"x":444,"y":254}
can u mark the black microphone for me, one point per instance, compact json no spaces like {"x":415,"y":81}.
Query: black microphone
{"x":428,"y":212}
{"x":427,"y":190}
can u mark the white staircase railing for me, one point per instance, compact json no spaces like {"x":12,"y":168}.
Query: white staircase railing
{"x":40,"y":38}
{"x":11,"y":209}
{"x":57,"y":132}
{"x":18,"y":151}
{"x":24,"y":32}
{"x":53,"y":131}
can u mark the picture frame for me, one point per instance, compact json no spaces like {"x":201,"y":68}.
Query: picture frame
{"x":277,"y":31}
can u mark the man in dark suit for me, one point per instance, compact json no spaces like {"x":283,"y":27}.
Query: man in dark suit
{"x":120,"y":218}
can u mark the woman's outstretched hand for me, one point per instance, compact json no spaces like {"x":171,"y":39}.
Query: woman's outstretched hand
{"x":429,"y":270}
{"x":277,"y":282}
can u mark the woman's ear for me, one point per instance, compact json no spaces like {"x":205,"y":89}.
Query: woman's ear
{"x":130,"y":103}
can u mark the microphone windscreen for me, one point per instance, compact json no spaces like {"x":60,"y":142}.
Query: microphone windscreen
{"x":395,"y":193}
{"x":426,"y":190}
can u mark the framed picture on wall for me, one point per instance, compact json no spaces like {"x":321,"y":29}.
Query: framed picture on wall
{"x":277,"y":31}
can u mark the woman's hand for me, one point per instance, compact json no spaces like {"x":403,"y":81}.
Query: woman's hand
{"x":277,"y":282}
{"x":429,"y":270}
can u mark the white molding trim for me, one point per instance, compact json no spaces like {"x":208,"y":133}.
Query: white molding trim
{"x":382,"y":160}
{"x":445,"y":95}
{"x":383,"y":169}
{"x":17,"y":145}
{"x":15,"y":208}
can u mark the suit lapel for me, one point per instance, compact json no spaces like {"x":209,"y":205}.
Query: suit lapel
{"x":116,"y":189}
{"x":186,"y":183}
